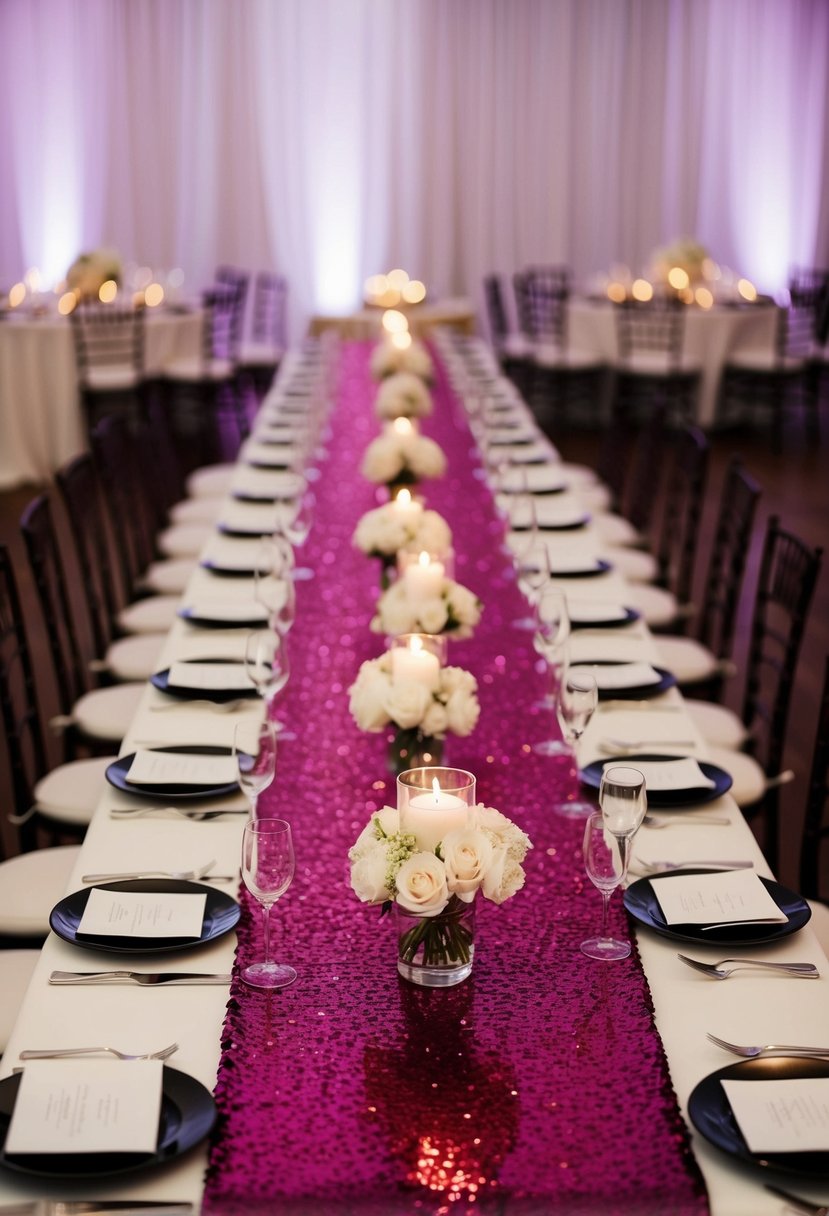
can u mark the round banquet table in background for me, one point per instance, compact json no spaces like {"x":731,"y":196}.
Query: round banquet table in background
{"x":41,"y":424}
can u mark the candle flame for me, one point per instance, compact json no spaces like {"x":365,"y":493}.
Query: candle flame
{"x":436,"y":788}
{"x":424,"y":559}
{"x":404,"y":497}
{"x":415,"y":644}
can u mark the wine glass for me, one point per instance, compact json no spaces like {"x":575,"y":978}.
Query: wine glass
{"x":267,"y":871}
{"x":577,"y":700}
{"x":277,"y":592}
{"x":623,"y":799}
{"x":605,"y":861}
{"x":294,"y":519}
{"x":532,"y":565}
{"x":552,"y":630}
{"x":268,"y":667}
{"x":254,"y":750}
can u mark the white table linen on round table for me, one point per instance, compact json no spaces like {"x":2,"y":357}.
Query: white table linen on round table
{"x":710,"y":337}
{"x":41,"y":423}
{"x":753,"y":1007}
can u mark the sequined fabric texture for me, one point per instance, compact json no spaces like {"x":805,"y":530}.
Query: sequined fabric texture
{"x":539,"y":1085}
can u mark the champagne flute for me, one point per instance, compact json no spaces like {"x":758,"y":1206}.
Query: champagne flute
{"x":267,"y":871}
{"x":577,"y":702}
{"x":605,"y":861}
{"x":254,"y":750}
{"x":623,"y":799}
{"x":552,"y":630}
{"x":277,"y":592}
{"x":533,"y":569}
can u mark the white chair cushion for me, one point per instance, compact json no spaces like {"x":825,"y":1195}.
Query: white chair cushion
{"x":196,"y":511}
{"x":197,"y":371}
{"x":111,"y":378}
{"x":156,"y":614}
{"x":136,"y":657}
{"x":554,"y":357}
{"x":762,"y":361}
{"x":688,"y":659}
{"x":658,"y":606}
{"x":184,"y":540}
{"x":107,"y":713}
{"x":212,"y":481}
{"x":515,"y":346}
{"x":655,"y":363}
{"x":260,"y":354}
{"x":30,"y":886}
{"x":71,"y":792}
{"x":169,"y":577}
{"x":719,"y":726}
{"x":749,"y":778}
{"x":16,"y":970}
{"x":636,"y":565}
{"x":595,"y":497}
{"x":616,"y":530}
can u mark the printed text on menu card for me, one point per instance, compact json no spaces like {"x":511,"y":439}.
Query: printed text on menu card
{"x":706,"y":899}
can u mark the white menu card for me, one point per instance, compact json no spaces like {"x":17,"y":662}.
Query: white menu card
{"x":220,"y":677}
{"x":718,"y":898}
{"x":786,"y":1116}
{"x":86,"y":1106}
{"x":180,"y":768}
{"x":684,"y":774}
{"x":148,"y":914}
{"x":620,"y":675}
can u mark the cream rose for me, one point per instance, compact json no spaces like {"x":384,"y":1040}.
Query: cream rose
{"x":435,"y":720}
{"x":503,"y":878}
{"x":383,"y":460}
{"x":467,"y":856}
{"x":368,"y":876}
{"x":502,"y":831}
{"x":403,"y":395}
{"x":462,"y":711}
{"x":421,"y":885}
{"x":432,"y":616}
{"x":406,"y":703}
{"x":367,"y":698}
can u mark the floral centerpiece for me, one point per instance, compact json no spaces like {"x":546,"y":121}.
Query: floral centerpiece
{"x":402,"y":457}
{"x":433,"y":889}
{"x":453,"y":610}
{"x":684,"y":254}
{"x":403,"y":395}
{"x":387,"y":359}
{"x":90,"y":271}
{"x":420,"y":714}
{"x":384,"y":531}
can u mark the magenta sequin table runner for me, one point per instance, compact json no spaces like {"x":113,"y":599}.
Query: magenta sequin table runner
{"x":539,"y":1085}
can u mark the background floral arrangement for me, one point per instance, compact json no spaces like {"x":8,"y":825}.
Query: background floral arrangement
{"x":486,"y":855}
{"x":455,"y":611}
{"x":393,"y":457}
{"x":377,"y":701}
{"x":90,"y":270}
{"x":685,"y":253}
{"x":387,"y":359}
{"x":382,"y":532}
{"x":403,"y":395}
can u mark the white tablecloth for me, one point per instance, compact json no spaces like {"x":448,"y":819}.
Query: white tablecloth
{"x":41,"y":424}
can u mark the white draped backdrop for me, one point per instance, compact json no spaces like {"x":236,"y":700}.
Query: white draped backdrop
{"x":331,"y":139}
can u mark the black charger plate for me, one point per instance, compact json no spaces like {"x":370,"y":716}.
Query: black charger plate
{"x":221,"y":914}
{"x":591,"y":775}
{"x":711,"y":1114}
{"x":161,"y":681}
{"x":188,"y":1113}
{"x":116,"y":774}
{"x":642,"y":904}
{"x":631,"y":692}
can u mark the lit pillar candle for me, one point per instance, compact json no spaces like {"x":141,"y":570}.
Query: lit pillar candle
{"x":431,"y":816}
{"x":415,"y":662}
{"x":407,"y":509}
{"x":424,"y":578}
{"x":403,"y":426}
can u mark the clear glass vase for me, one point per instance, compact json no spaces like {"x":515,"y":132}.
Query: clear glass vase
{"x":436,"y":951}
{"x":412,"y":749}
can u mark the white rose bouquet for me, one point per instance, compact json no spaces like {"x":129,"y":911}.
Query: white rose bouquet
{"x":387,"y":359}
{"x":90,"y":270}
{"x":384,"y":531}
{"x":455,"y":611}
{"x":394,"y":457}
{"x":685,"y":253}
{"x":377,"y":701}
{"x":387,"y":867}
{"x":403,"y":395}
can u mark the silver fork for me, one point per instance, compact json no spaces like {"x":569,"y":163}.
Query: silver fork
{"x":624,"y":747}
{"x":727,"y":966}
{"x":680,"y":821}
{"x":128,"y":812}
{"x":668,"y":867}
{"x":59,"y":1053}
{"x":180,"y":875}
{"x":767,"y":1049}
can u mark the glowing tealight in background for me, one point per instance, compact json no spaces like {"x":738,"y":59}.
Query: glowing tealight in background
{"x":641,"y":290}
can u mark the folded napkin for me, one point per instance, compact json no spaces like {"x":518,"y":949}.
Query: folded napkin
{"x":620,"y":675}
{"x":583,"y":612}
{"x":265,"y":483}
{"x":218,"y":677}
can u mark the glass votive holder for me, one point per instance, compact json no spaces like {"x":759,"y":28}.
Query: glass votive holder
{"x":430,"y":568}
{"x":418,"y":657}
{"x":433,"y":802}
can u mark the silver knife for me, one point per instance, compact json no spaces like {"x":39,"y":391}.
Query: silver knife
{"x":149,"y":979}
{"x":80,"y":1207}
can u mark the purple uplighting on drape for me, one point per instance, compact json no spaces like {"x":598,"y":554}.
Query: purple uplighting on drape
{"x":537,"y":1085}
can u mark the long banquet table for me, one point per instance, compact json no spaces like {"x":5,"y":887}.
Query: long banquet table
{"x":545,"y":1082}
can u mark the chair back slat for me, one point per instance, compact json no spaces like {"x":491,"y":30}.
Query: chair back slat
{"x":81,"y":493}
{"x":727,"y":563}
{"x":682,"y":512}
